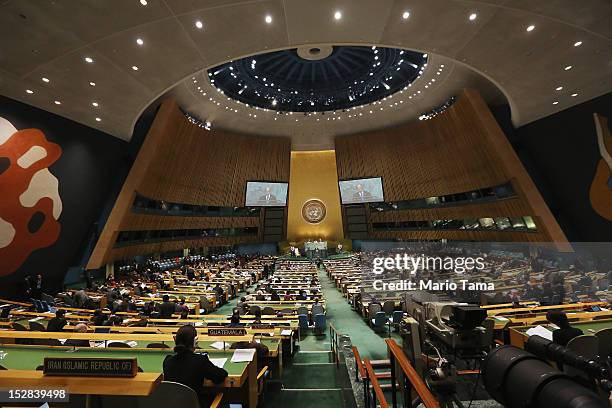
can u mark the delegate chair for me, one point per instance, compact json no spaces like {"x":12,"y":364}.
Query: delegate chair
{"x":373,"y":309}
{"x":158,"y":345}
{"x":605,"y":345}
{"x":171,"y":394}
{"x":302,"y":310}
{"x":35,"y":326}
{"x":396,"y":319}
{"x":253,"y":309}
{"x":268,"y":311}
{"x":47,"y":298}
{"x":205,"y":305}
{"x":319,"y":323}
{"x":585,"y":345}
{"x":118,"y":344}
{"x":302,"y":324}
{"x":379,"y":320}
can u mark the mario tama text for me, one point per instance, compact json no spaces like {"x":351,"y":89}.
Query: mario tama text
{"x":385,"y":269}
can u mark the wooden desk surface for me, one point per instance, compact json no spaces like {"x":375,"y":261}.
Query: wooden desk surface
{"x":141,"y":385}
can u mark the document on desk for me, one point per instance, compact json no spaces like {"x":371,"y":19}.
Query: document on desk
{"x":219,"y":345}
{"x":242,"y":355}
{"x":540,"y":331}
{"x":219,"y":362}
{"x":286,"y":332}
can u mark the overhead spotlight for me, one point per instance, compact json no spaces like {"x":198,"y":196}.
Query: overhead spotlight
{"x":268,"y":19}
{"x":405,"y":15}
{"x":29,"y":91}
{"x":134,"y":67}
{"x":577,"y":43}
{"x":95,"y":104}
{"x":568,"y":68}
{"x":337,"y":15}
{"x":274,"y":102}
{"x":45,"y":79}
{"x":92,"y":83}
{"x":574,"y":95}
{"x":199,"y":24}
{"x":143,"y":2}
{"x":473,"y":16}
{"x":531,"y":27}
{"x":57,"y":102}
{"x":88,"y":60}
{"x":555,"y":102}
{"x":139,"y":41}
{"x":98,"y":119}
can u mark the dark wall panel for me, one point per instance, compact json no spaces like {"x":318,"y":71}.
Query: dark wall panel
{"x":561,"y":154}
{"x":89,"y":164}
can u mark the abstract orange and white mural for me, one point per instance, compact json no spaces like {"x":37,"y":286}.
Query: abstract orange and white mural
{"x":30,"y":204}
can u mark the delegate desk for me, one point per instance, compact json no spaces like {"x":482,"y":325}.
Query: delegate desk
{"x":22,"y":361}
{"x":518,"y":334}
{"x":144,"y":340}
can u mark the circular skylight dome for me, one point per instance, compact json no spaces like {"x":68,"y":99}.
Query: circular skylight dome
{"x":318,"y":78}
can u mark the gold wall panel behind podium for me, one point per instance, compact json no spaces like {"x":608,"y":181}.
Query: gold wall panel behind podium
{"x":314,"y":176}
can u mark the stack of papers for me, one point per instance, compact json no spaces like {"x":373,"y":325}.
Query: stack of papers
{"x":219,"y":345}
{"x":540,"y":331}
{"x":242,"y":355}
{"x":286,"y":332}
{"x":219,"y":362}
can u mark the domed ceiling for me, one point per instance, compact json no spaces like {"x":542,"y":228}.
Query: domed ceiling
{"x":315,"y":79}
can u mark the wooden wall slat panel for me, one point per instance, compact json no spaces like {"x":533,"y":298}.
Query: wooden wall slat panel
{"x":182,"y":163}
{"x":461,"y":150}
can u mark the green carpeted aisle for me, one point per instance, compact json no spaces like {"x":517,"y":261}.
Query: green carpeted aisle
{"x":346,"y":321}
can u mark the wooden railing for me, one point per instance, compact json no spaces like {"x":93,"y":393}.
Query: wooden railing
{"x":412,"y":380}
{"x":377,"y":392}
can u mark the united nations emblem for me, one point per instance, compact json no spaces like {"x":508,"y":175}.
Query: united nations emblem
{"x":313,"y":211}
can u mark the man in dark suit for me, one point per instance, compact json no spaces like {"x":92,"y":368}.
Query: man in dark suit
{"x":58,"y":322}
{"x":565,"y":332}
{"x":268,"y":198}
{"x":361,"y":194}
{"x":167,"y":308}
{"x":189,"y":368}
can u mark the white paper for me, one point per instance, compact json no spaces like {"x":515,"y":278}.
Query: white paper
{"x":132,"y":343}
{"x":219,"y":345}
{"x":219,"y":362}
{"x":36,"y":319}
{"x":286,"y":332}
{"x":241,"y":355}
{"x":540,"y":331}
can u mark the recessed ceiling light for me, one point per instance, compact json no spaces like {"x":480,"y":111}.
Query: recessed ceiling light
{"x":92,"y":83}
{"x":405,"y":15}
{"x":143,"y":2}
{"x":134,"y":67}
{"x":88,"y":59}
{"x":530,"y":28}
{"x":139,"y":41}
{"x":568,"y":68}
{"x":95,"y":104}
{"x":98,"y":119}
{"x":577,"y":43}
{"x":574,"y":95}
{"x":199,"y":24}
{"x":57,"y":102}
{"x":555,"y":102}
{"x":29,"y":91}
{"x":268,"y":19}
{"x":337,"y":15}
{"x":559,"y":88}
{"x":473,"y":16}
{"x":45,"y":79}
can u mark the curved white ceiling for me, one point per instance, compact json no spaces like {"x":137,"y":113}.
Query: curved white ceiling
{"x":51,"y":39}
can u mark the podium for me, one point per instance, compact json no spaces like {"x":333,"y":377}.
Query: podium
{"x":315,"y":249}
